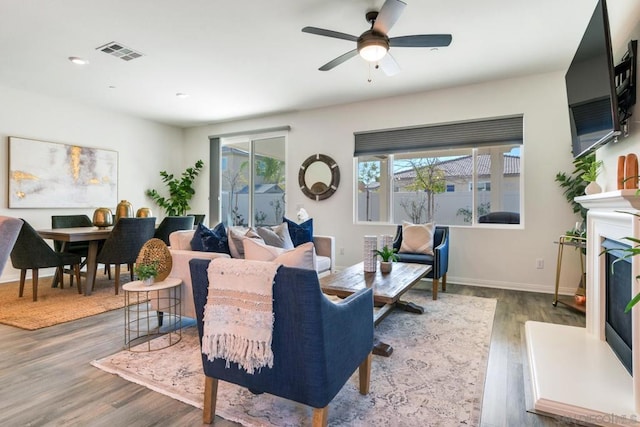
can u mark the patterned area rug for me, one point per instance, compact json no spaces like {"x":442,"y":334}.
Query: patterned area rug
{"x":435,"y":375}
{"x":56,"y":305}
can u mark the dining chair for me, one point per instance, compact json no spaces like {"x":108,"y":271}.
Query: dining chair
{"x":173,"y":223}
{"x":80,"y":248}
{"x":9,"y":230}
{"x":197,"y":219}
{"x":31,"y":252}
{"x":124,"y":242}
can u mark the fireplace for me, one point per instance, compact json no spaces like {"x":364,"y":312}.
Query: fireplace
{"x":618,"y":280}
{"x":576,"y":372}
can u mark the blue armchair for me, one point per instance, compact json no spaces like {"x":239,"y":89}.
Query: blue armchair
{"x":316,"y":344}
{"x":439,"y":260}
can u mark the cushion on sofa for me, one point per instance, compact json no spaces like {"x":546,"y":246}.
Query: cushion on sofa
{"x":210,"y":240}
{"x":236,"y":236}
{"x":300,"y":233}
{"x":417,"y":238}
{"x":302,"y":256}
{"x":277,"y":236}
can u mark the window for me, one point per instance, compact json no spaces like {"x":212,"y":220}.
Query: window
{"x":251,"y":182}
{"x":397,"y":181}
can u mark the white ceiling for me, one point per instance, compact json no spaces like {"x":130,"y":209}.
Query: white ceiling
{"x":246,"y":58}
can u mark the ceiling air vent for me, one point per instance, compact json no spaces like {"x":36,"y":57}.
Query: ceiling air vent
{"x":119,"y":51}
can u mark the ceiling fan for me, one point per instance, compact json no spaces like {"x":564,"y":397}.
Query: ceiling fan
{"x":373,"y":45}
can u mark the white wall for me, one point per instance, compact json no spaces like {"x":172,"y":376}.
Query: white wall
{"x":144,"y":148}
{"x":489,"y":256}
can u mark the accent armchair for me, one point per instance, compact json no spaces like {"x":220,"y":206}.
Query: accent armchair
{"x":9,"y":230}
{"x":439,"y":260}
{"x":316,"y":344}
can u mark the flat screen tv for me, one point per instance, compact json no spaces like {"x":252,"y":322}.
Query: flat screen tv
{"x":591,"y":91}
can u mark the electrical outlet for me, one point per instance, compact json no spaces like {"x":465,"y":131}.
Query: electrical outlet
{"x":341,"y":251}
{"x":539,"y":263}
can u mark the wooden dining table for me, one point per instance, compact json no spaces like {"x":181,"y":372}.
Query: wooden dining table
{"x":93,"y":235}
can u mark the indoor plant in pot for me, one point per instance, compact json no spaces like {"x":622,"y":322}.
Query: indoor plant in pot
{"x":147,"y":272}
{"x":180,"y":191}
{"x":388,"y":255}
{"x":590,"y":176}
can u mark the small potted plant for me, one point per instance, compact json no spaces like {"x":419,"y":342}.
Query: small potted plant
{"x":388,"y":255}
{"x":590,"y":176}
{"x":147,"y":272}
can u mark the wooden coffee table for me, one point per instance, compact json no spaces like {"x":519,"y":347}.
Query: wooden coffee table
{"x":387,"y":289}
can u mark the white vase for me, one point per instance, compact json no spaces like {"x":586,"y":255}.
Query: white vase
{"x":592,"y":188}
{"x":149,"y":281}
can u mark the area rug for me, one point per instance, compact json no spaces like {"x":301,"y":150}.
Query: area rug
{"x":56,"y":305}
{"x":435,"y":375}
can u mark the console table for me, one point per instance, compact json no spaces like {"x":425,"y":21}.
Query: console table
{"x":579,"y":244}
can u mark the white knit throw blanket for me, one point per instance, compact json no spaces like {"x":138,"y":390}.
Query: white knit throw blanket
{"x":238,"y":316}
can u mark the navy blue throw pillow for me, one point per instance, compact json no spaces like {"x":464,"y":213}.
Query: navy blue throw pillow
{"x":210,"y":240}
{"x":300,"y":233}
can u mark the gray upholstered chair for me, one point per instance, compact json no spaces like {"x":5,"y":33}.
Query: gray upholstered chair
{"x":79,"y":248}
{"x":124,"y":243}
{"x":9,"y":230}
{"x":31,"y":252}
{"x":173,"y":223}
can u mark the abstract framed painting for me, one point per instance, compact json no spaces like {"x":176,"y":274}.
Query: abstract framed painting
{"x":53,"y":175}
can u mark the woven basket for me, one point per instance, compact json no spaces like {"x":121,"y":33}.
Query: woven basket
{"x":156,"y":250}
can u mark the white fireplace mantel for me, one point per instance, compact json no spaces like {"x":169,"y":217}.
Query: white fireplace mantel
{"x":612,"y":200}
{"x":574,"y":373}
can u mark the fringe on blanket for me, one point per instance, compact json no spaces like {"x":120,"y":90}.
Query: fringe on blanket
{"x":238,"y":317}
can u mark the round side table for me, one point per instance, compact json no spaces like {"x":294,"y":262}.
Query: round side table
{"x":146,"y":329}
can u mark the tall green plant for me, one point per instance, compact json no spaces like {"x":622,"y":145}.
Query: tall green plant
{"x":180,"y":191}
{"x":574,"y":184}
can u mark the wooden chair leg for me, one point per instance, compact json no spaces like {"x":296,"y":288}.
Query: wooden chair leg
{"x":76,"y":268}
{"x":23,"y":276}
{"x":34,"y":280}
{"x":210,"y":395}
{"x":117,"y":278}
{"x":71,"y":273}
{"x":444,"y":282}
{"x":58,"y":278}
{"x":320,"y":416}
{"x":435,"y":288}
{"x":364,"y":374}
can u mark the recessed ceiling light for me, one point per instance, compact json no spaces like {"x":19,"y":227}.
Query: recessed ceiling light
{"x":182,"y":95}
{"x":78,"y":61}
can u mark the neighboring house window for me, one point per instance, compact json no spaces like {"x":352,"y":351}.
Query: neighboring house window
{"x":437,"y":184}
{"x":251,"y":185}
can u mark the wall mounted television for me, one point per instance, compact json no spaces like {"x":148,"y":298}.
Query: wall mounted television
{"x":591,"y":91}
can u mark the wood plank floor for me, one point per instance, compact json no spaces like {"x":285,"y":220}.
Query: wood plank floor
{"x":46,"y":379}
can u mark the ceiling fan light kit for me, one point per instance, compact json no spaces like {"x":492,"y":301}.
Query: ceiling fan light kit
{"x":373,"y":45}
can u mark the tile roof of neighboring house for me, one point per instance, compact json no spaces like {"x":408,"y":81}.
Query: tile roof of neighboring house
{"x":462,"y":166}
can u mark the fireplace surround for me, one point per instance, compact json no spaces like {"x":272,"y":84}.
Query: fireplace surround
{"x":573,"y":371}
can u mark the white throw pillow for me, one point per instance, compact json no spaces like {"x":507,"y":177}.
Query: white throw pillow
{"x":302,"y":256}
{"x":236,"y":237}
{"x":277,"y":236}
{"x":417,"y":238}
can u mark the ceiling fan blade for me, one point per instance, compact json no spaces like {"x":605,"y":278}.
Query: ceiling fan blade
{"x":389,"y":65}
{"x":329,"y":33}
{"x":388,"y":15}
{"x":339,"y":60}
{"x":422,"y":40}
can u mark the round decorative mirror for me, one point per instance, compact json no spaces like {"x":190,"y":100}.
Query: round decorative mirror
{"x":319,"y":177}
